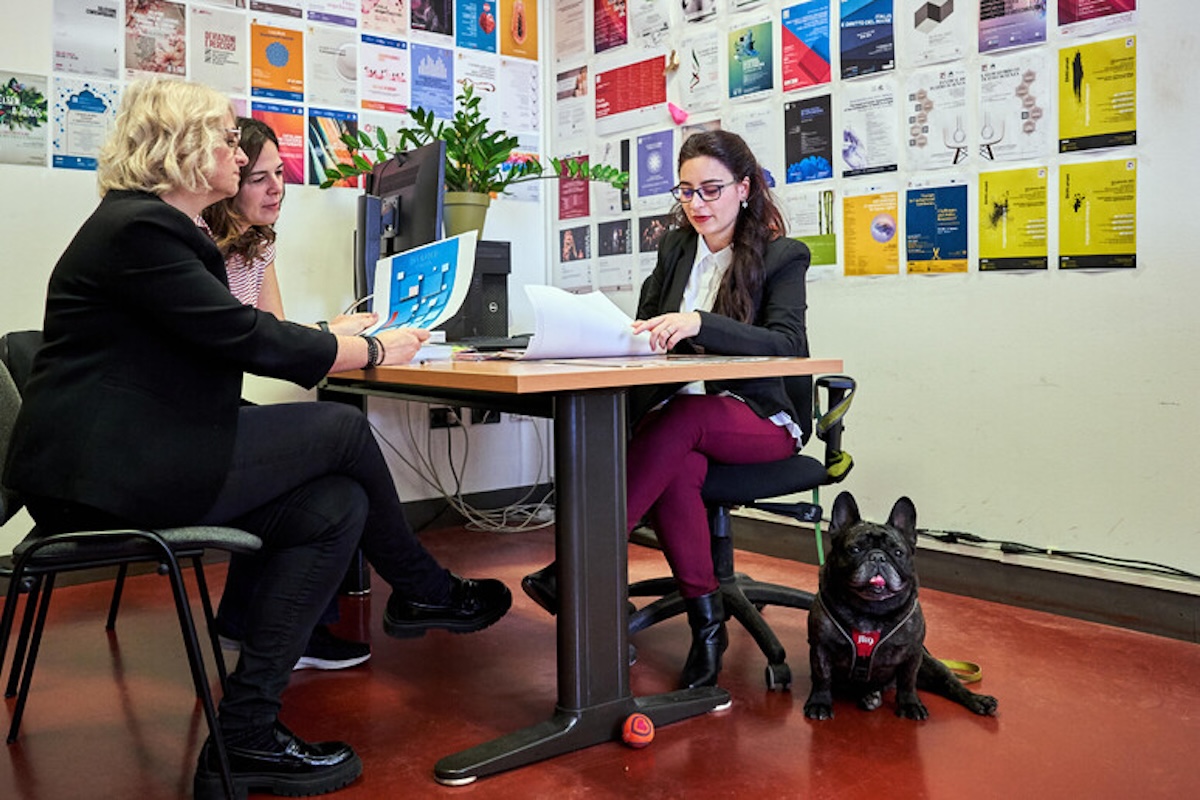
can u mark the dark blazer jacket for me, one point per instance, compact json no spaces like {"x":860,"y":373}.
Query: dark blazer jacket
{"x":778,"y":328}
{"x":132,"y":403}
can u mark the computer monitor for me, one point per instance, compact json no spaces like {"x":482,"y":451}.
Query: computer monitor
{"x":400,"y":209}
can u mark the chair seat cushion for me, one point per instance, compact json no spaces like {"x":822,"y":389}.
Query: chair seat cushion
{"x":117,"y":546}
{"x":738,"y":484}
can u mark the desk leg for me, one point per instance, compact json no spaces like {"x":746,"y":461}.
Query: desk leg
{"x":593,"y":655}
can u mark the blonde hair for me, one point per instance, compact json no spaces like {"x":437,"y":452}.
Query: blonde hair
{"x":165,"y":137}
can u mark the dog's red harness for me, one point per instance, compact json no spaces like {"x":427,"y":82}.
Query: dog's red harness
{"x":864,"y":643}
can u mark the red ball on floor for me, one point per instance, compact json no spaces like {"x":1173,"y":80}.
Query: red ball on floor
{"x":638,"y":730}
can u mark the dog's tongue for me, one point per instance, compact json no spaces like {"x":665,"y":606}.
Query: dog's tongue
{"x":878,"y":582}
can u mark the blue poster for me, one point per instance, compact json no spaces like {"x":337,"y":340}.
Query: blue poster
{"x":805,"y":44}
{"x":656,"y":163}
{"x":433,"y":80}
{"x":751,"y":66}
{"x":867,"y":37}
{"x":476,"y":29}
{"x":936,"y":228}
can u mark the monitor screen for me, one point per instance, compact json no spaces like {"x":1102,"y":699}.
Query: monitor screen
{"x":400,"y":209}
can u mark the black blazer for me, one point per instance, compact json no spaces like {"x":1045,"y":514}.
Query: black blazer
{"x":132,"y":403}
{"x":778,"y":328}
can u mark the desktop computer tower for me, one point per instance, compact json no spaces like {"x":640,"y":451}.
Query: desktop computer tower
{"x":484,"y":312}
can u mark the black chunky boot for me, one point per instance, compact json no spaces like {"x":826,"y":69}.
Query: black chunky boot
{"x":706,"y":616}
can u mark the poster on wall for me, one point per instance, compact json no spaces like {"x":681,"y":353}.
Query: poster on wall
{"x":334,"y":12}
{"x":810,"y":219}
{"x":83,"y":113}
{"x":432,"y":16}
{"x":700,"y":72}
{"x":571,"y":119}
{"x":86,"y":35}
{"x":284,"y":8}
{"x":1011,"y":23}
{"x":1015,"y":92}
{"x":288,"y":124}
{"x":650,"y":21}
{"x":1013,"y":220}
{"x":698,"y":10}
{"x":751,"y":60}
{"x":1078,"y":17}
{"x":220,"y":50}
{"x":804,"y":44}
{"x":610,"y":26}
{"x":276,"y":63}
{"x":325,"y":146}
{"x":759,"y":124}
{"x":936,"y":116}
{"x":614,"y":255}
{"x":570,"y":39}
{"x":935,"y":227}
{"x":520,"y":97}
{"x":332,"y":58}
{"x":385,"y":16}
{"x":1097,"y":215}
{"x":868,"y":39}
{"x":870,"y":130}
{"x":937,"y":31}
{"x":482,"y":71}
{"x":383,"y":83}
{"x":574,"y":195}
{"x":574,"y":259}
{"x":518,"y":36}
{"x":655,"y":163}
{"x":631,"y":96}
{"x":607,"y":199}
{"x":476,"y":28}
{"x":433,"y":80}
{"x":870,"y":230}
{"x":24,"y":119}
{"x":155,"y":39}
{"x":1097,"y":95}
{"x":808,"y":139}
{"x":650,"y":232}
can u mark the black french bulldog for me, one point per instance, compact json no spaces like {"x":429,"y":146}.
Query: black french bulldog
{"x":866,"y":631}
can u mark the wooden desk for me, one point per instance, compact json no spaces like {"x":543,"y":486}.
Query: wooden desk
{"x":586,"y":400}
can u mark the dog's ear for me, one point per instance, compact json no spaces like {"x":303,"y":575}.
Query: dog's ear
{"x":845,"y":511}
{"x":904,"y":519}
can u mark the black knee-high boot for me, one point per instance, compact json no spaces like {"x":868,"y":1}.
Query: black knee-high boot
{"x":706,"y":616}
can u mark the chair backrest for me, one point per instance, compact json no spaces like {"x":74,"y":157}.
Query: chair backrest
{"x":10,"y":404}
{"x":17,"y":349}
{"x":800,"y":390}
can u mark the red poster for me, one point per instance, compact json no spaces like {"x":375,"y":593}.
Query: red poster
{"x":573,"y":195}
{"x":631,"y":87}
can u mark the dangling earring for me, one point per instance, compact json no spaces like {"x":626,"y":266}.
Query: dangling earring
{"x":745,"y":204}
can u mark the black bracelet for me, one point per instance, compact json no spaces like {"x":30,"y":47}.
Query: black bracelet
{"x":323,"y":325}
{"x":373,"y":356}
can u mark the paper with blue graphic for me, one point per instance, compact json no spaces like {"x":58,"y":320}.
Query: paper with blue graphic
{"x":425,"y":286}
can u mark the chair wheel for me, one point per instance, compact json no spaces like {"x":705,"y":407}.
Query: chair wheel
{"x":779,"y":677}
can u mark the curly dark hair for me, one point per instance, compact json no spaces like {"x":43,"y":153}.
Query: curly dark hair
{"x":759,"y":223}
{"x":223,"y":219}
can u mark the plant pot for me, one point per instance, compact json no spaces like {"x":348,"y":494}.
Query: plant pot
{"x":465,"y":211}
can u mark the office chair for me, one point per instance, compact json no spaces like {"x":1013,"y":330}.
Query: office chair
{"x":730,"y":486}
{"x":39,"y":558}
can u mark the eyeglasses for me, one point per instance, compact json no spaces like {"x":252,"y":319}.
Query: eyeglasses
{"x":233,"y":138}
{"x":708,"y":191}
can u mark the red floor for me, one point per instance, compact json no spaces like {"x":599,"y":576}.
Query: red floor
{"x":1086,"y":711}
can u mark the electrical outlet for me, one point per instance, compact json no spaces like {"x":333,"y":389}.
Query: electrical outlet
{"x":484,"y":416}
{"x":445,"y":417}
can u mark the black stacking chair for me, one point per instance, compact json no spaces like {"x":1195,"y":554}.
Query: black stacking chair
{"x":730,"y":486}
{"x":39,"y":558}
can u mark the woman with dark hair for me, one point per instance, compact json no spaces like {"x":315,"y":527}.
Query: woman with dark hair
{"x":728,"y":281}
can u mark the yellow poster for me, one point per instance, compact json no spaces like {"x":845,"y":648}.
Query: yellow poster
{"x":518,"y":28}
{"x":1097,"y":215}
{"x":276,"y":63}
{"x":869,"y":225}
{"x":1013,"y":219}
{"x":1097,"y":95}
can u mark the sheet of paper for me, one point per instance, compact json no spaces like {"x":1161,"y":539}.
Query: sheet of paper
{"x":580,"y":326}
{"x":425,"y":286}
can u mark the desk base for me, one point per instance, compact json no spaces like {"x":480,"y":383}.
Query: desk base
{"x":568,"y":731}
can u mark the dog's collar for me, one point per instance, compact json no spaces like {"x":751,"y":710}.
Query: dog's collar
{"x":864,"y":644}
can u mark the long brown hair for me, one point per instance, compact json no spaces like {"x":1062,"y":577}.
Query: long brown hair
{"x":223,"y":218}
{"x":759,"y":223}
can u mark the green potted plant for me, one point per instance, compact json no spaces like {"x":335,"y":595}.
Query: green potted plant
{"x":478,"y":165}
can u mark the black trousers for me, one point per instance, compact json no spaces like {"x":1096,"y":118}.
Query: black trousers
{"x":311,"y":481}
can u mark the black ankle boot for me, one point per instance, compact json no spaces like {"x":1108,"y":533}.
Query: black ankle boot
{"x":706,"y":616}
{"x":542,"y":587}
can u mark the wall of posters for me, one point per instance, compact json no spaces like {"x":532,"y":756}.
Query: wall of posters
{"x":804,"y":47}
{"x":24,"y":119}
{"x":871,"y":228}
{"x":936,"y":229}
{"x":751,"y":60}
{"x":1097,"y":96}
{"x":1013,"y":219}
{"x":1097,"y":215}
{"x":868,"y":39}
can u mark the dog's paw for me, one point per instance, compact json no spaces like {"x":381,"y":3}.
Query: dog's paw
{"x":870,"y":701}
{"x":818,"y":710}
{"x":983,"y":704}
{"x":913,"y":709}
